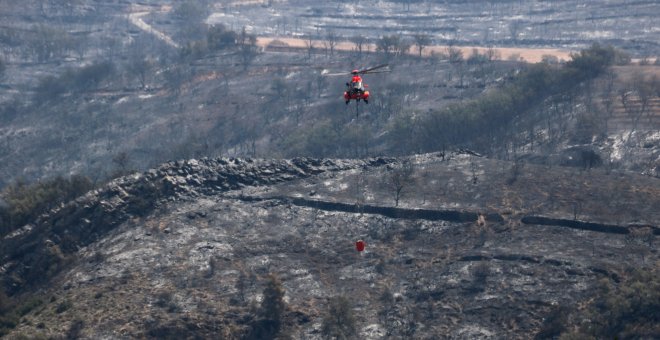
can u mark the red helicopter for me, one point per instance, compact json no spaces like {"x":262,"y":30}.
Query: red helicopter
{"x":355,"y":89}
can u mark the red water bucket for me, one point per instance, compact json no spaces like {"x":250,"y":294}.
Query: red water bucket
{"x":359,"y":245}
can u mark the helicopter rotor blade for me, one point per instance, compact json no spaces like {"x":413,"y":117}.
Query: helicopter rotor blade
{"x":336,"y":74}
{"x":376,"y":69}
{"x":380,"y":71}
{"x":371,"y":69}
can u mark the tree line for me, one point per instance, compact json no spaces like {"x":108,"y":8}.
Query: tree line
{"x":486,"y":122}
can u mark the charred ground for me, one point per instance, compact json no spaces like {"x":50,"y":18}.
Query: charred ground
{"x":201,"y":250}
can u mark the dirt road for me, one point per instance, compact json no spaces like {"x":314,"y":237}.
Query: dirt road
{"x":532,"y":55}
{"x":135,"y":17}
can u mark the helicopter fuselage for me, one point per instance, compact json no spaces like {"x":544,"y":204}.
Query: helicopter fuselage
{"x":357,"y":95}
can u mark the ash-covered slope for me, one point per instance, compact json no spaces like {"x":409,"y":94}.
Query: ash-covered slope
{"x":79,"y":223}
{"x":187,"y":249}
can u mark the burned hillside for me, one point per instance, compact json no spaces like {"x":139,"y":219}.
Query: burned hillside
{"x":467,"y":251}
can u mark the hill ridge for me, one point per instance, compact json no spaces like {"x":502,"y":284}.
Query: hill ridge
{"x":78,"y":223}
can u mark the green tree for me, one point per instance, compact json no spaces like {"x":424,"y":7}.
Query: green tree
{"x":281,"y":89}
{"x":309,"y":44}
{"x":514,"y":28}
{"x":271,"y":312}
{"x":3,"y":68}
{"x":393,"y":45}
{"x":91,"y":76}
{"x":219,"y":37}
{"x":5,"y":302}
{"x":122,"y":164}
{"x":591,"y":62}
{"x":455,"y":55}
{"x":330,"y":42}
{"x":272,"y":305}
{"x":388,"y":45}
{"x":25,"y":202}
{"x":339,"y":321}
{"x":322,"y":140}
{"x":191,"y":15}
{"x":421,"y":41}
{"x":189,"y":11}
{"x":399,"y":177}
{"x":247,"y":47}
{"x":476,"y":58}
{"x":8,"y":319}
{"x":554,"y":323}
{"x":81,"y":79}
{"x":140,"y":67}
{"x":48,"y":43}
{"x":359,"y":41}
{"x":549,"y":59}
{"x":627,"y":310}
{"x":492,"y":54}
{"x":175,"y":76}
{"x":480,"y":273}
{"x":49,"y":88}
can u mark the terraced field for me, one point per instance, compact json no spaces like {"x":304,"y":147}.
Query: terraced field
{"x":635,"y":103}
{"x":567,"y":25}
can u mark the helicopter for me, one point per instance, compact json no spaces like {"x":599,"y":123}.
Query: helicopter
{"x":355,"y":89}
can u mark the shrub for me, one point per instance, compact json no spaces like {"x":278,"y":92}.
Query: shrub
{"x":28,"y":306}
{"x":75,"y":329}
{"x":480,"y":273}
{"x":339,"y":321}
{"x":89,"y":77}
{"x":189,"y":11}
{"x":7,"y":323}
{"x":272,"y":305}
{"x":591,"y":62}
{"x":25,"y":202}
{"x":630,"y":310}
{"x":400,"y":177}
{"x":10,"y":110}
{"x":164,"y":299}
{"x":271,"y":313}
{"x":49,"y":88}
{"x":82,"y":79}
{"x":553,"y":324}
{"x":219,"y":37}
{"x":63,"y":307}
{"x":8,"y":320}
{"x":46,"y":42}
{"x":5,"y":302}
